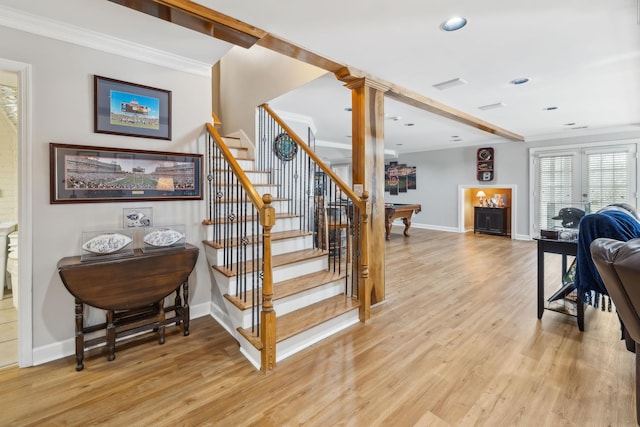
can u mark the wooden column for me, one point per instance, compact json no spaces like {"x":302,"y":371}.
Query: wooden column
{"x":367,"y":103}
{"x":268,"y":315}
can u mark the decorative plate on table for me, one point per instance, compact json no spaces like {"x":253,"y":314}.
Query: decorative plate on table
{"x":106,"y":243}
{"x":162,"y":238}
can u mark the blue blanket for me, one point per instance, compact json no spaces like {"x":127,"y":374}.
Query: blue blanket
{"x":612,"y":224}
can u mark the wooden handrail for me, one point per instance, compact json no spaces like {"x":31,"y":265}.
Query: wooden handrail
{"x":357,"y":200}
{"x":236,"y":169}
{"x":364,"y":208}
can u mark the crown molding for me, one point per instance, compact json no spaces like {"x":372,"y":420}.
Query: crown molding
{"x":298,"y":118}
{"x":57,"y":30}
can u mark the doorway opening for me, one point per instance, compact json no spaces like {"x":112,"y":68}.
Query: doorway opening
{"x":475,"y":195}
{"x":16,"y":133}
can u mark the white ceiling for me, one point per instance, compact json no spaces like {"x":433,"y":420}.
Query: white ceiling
{"x":581,"y":56}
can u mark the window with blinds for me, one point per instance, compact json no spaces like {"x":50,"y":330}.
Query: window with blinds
{"x":608,"y":178}
{"x":555,"y":184}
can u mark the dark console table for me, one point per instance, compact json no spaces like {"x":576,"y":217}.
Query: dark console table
{"x":564,"y":248}
{"x":132,"y":291}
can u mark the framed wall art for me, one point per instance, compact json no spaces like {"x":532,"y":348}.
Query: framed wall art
{"x":122,"y":108}
{"x":85,"y":174}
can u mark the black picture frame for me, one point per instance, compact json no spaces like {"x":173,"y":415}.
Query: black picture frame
{"x":87,"y":174}
{"x":122,"y":108}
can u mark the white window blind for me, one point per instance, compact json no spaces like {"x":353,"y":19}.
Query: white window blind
{"x":608,"y":178}
{"x":555,"y":184}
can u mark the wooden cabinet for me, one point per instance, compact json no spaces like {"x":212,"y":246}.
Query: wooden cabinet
{"x":490,"y":220}
{"x":132,"y":292}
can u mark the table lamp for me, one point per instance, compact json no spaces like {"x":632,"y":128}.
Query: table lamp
{"x":481,"y":195}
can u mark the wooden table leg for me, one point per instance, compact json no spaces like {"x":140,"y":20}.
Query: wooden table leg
{"x":540,"y":279}
{"x":111,"y":335}
{"x":161,"y":319}
{"x":79,"y":335}
{"x":387,"y":227}
{"x":407,"y":224}
{"x":580,"y":314}
{"x":178,"y":304}
{"x":185,"y":295}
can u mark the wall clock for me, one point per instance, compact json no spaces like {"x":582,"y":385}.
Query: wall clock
{"x":485,"y":164}
{"x":284,"y":147}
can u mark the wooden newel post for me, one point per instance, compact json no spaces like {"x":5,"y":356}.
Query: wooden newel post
{"x":365,"y":283}
{"x":268,"y":315}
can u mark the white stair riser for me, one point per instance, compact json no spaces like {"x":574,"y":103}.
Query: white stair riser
{"x":254,"y":177}
{"x":216,"y":256}
{"x":282,"y":224}
{"x":311,"y":336}
{"x":281,"y":206}
{"x":227,"y":285}
{"x":287,"y":305}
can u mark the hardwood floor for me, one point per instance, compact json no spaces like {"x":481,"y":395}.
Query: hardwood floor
{"x":457,"y":343}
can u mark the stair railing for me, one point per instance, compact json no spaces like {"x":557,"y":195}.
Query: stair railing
{"x":325,"y":205}
{"x":237,"y":213}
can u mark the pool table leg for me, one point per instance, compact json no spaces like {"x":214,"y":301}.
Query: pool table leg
{"x":387,"y":226}
{"x":407,"y":224}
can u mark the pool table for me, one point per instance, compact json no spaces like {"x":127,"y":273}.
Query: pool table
{"x":397,"y":210}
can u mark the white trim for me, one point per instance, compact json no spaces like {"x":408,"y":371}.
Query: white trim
{"x":287,"y":117}
{"x":513,"y":204}
{"x":50,"y":28}
{"x":25,"y":211}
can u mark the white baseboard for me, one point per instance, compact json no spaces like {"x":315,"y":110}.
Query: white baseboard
{"x":58,"y":350}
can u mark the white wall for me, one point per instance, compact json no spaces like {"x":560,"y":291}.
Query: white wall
{"x":62,"y":112}
{"x":250,"y":77}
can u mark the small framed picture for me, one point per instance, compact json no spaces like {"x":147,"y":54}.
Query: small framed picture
{"x":137,"y":217}
{"x":122,"y":108}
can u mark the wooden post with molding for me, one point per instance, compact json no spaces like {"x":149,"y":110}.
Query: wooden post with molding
{"x":267,"y":315}
{"x":367,"y":139}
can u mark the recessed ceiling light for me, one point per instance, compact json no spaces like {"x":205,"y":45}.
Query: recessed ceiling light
{"x":450,"y":83}
{"x":580,"y":127}
{"x":519,"y":81}
{"x":409,"y":124}
{"x":453,"y":24}
{"x":570,"y":124}
{"x":493,"y":106}
{"x":550,"y":108}
{"x":348,"y":109}
{"x":456,"y":139}
{"x":399,"y":144}
{"x":394,"y":118}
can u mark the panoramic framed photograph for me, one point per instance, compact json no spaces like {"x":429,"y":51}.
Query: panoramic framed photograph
{"x":122,"y":108}
{"x":85,"y":174}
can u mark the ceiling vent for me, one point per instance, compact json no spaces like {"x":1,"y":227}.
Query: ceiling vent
{"x":450,"y":83}
{"x":493,"y":106}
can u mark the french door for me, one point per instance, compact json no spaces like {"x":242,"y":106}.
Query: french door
{"x":569,"y":177}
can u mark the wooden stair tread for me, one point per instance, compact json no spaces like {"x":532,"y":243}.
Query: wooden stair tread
{"x":278,"y":235}
{"x":301,"y":320}
{"x":275,"y":199}
{"x":278,"y":260}
{"x":289,"y":287}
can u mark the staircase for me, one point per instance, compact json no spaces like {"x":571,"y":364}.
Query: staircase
{"x":310,"y":278}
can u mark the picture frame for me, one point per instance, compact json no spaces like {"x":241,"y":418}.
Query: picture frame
{"x":122,"y":108}
{"x":87,"y":174}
